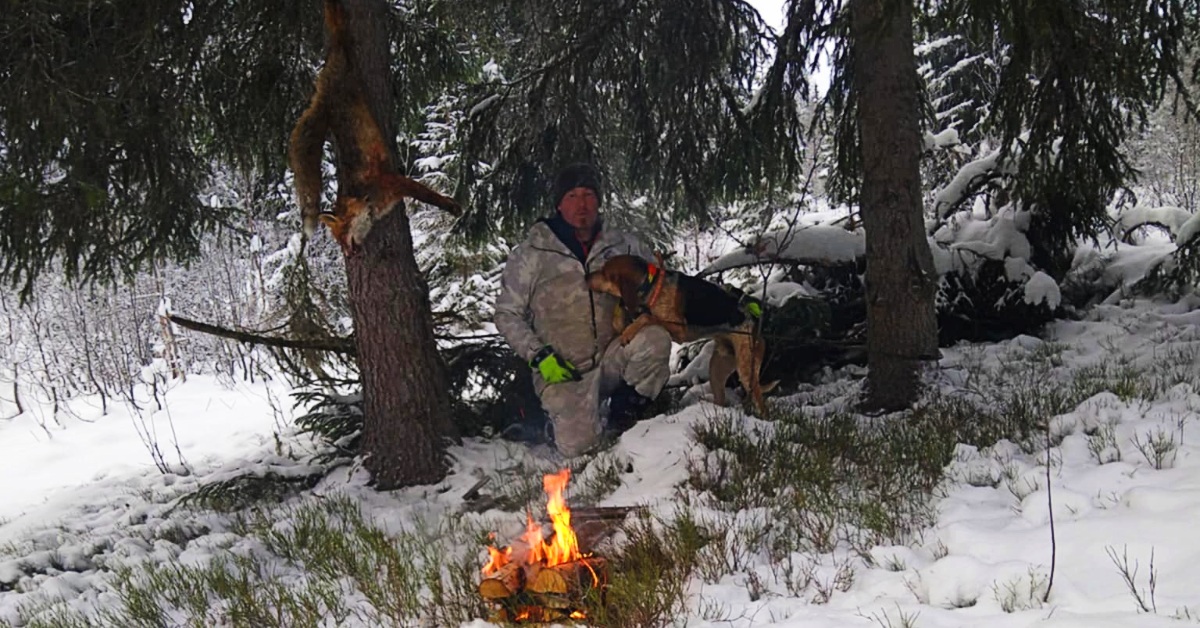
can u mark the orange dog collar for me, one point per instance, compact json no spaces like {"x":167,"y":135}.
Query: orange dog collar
{"x":653,"y":277}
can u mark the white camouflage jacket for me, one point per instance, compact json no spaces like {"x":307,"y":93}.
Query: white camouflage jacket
{"x":544,"y":299}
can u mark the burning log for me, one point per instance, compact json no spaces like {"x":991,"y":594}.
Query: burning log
{"x":504,"y":583}
{"x":573,"y":579}
{"x":564,"y":588}
{"x":547,"y":578}
{"x":535,"y":614}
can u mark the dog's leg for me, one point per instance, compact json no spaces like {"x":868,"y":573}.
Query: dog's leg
{"x":635,"y":327}
{"x":749,"y":365}
{"x":720,"y":367}
{"x":619,"y":322}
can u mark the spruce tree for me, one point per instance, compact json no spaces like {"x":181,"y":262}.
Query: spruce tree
{"x":115,"y":114}
{"x":900,"y":280}
{"x":1072,"y":82}
{"x":406,"y":410}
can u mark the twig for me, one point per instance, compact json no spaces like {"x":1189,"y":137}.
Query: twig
{"x":1050,"y":510}
{"x":1129,"y":575}
{"x":473,"y":492}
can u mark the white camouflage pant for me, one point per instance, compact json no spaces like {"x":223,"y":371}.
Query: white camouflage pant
{"x":574,"y":407}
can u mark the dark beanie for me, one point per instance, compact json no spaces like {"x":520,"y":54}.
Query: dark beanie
{"x":575,"y":176}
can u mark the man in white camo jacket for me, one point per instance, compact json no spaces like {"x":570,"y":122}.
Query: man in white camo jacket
{"x":564,"y":331}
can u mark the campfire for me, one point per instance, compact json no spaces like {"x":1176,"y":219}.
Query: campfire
{"x":543,"y":578}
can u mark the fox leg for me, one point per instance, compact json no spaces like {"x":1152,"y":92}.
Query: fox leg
{"x":392,"y":187}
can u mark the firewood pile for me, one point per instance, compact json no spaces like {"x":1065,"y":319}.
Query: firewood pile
{"x":542,"y":578}
{"x":534,"y":593}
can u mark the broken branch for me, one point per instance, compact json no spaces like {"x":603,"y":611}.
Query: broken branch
{"x":336,"y":345}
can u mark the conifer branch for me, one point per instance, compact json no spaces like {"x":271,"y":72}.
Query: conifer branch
{"x":337,"y":345}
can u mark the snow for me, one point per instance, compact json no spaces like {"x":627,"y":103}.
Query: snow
{"x":1123,"y":265}
{"x":961,"y":244}
{"x":63,"y":466}
{"x":484,"y":105}
{"x":780,"y":292}
{"x":1041,"y":288}
{"x":1173,"y":218}
{"x":1187,"y":231}
{"x":948,"y":197}
{"x":76,"y":491}
{"x":807,"y":244}
{"x":943,"y":139}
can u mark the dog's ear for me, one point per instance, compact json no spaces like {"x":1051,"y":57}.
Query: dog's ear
{"x":629,"y":295}
{"x":628,"y":273}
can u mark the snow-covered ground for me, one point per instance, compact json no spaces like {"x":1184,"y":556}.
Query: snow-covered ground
{"x":82,"y":495}
{"x":52,"y":466}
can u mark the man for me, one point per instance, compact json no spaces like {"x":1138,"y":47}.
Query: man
{"x":564,"y":331}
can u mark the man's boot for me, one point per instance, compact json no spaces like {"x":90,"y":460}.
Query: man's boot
{"x":625,"y":408}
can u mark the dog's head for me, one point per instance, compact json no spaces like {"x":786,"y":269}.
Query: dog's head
{"x":621,"y":276}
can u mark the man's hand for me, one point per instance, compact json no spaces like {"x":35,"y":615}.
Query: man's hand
{"x":553,"y":367}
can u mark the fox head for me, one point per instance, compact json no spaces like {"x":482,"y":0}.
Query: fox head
{"x":348,"y":223}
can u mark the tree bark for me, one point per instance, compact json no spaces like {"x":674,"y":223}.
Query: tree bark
{"x":900,"y":277}
{"x":405,"y":405}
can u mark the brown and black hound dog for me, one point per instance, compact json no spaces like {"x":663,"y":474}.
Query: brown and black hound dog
{"x":689,"y":309}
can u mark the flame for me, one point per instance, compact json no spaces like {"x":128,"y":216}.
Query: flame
{"x":497,"y":559}
{"x":565,"y":547}
{"x":562,"y":548}
{"x":534,"y":553}
{"x":534,"y":539}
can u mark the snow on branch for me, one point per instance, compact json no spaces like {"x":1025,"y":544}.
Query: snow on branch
{"x":970,"y":178}
{"x":1172,"y":219}
{"x":815,"y":245}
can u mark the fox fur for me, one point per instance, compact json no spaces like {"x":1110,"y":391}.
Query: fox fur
{"x":339,"y":108}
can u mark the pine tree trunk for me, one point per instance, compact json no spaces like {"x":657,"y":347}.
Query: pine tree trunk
{"x":405,"y":406}
{"x":404,"y":391}
{"x":901,"y":280}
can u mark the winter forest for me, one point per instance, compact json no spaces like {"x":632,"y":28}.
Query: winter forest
{"x":973,"y":229}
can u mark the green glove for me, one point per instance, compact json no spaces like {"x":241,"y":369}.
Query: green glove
{"x":755,"y":309}
{"x":553,"y":367}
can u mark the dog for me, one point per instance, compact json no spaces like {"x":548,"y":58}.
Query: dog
{"x":689,"y":308}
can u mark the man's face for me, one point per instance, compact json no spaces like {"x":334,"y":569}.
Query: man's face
{"x":580,"y":208}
